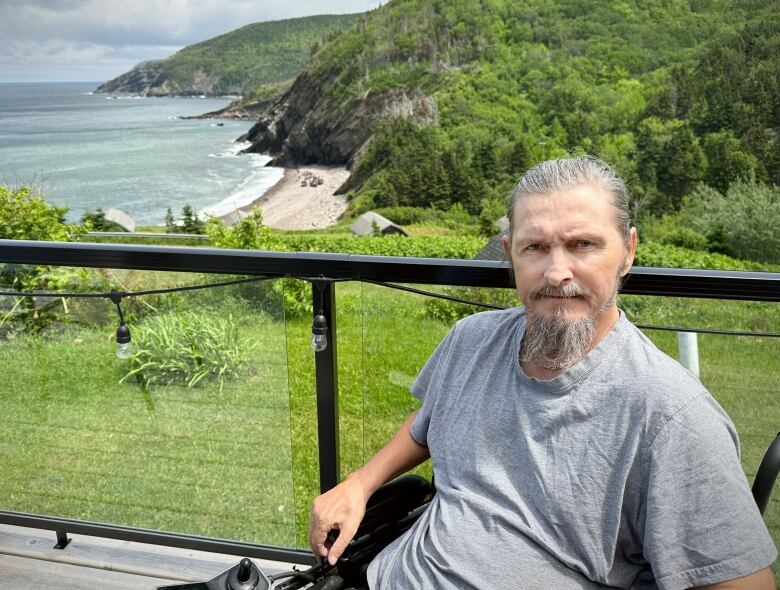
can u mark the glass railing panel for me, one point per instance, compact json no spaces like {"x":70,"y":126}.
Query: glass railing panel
{"x":175,"y":448}
{"x":400,"y":332}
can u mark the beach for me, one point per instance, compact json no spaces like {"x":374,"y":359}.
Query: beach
{"x":302,"y":199}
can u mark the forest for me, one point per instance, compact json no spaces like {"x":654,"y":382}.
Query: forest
{"x":680,"y":97}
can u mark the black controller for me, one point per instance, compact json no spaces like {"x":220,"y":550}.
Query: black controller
{"x":391,"y":511}
{"x":243,"y":576}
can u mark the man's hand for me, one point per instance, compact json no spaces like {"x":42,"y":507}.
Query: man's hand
{"x":341,"y":509}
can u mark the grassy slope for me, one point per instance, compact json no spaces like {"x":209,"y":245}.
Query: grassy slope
{"x":243,"y":464}
{"x":254,"y":55}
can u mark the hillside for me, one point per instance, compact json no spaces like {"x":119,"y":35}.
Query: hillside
{"x":237,"y":63}
{"x":437,"y":103}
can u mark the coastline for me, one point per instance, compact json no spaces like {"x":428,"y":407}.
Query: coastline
{"x":303,"y":198}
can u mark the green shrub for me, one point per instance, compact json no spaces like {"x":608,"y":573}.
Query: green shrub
{"x":492,"y":211}
{"x":187,"y":348}
{"x":410,"y":215}
{"x":251,"y":234}
{"x":296,"y":295}
{"x":685,"y":237}
{"x":744,"y":222}
{"x":247,"y":234}
{"x":667,"y":256}
{"x":24,"y":215}
{"x":96,"y":221}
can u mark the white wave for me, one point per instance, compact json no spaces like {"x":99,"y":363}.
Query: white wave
{"x":252,"y":188}
{"x":234,"y":150}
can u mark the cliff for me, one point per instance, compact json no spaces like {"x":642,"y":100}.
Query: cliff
{"x":236,"y":63}
{"x":308,"y":126}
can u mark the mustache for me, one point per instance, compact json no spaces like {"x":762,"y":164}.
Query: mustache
{"x":566,"y":290}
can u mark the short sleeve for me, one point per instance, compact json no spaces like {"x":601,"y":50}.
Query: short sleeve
{"x":427,"y":386}
{"x":700,"y":523}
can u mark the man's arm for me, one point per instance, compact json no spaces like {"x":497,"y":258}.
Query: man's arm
{"x":761,"y":580}
{"x":343,"y":507}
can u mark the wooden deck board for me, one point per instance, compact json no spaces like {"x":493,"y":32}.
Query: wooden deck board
{"x":21,"y":573}
{"x":29,"y":561}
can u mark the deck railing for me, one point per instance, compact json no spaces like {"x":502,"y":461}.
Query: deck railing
{"x":323,"y":271}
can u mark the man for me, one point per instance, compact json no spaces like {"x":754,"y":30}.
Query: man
{"x":569,"y":452}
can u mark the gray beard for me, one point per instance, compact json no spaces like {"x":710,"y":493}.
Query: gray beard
{"x":556,"y":343}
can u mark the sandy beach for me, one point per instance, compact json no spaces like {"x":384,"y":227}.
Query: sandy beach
{"x":302,"y":199}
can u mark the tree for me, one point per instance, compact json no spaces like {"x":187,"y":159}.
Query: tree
{"x":170,"y":222}
{"x":684,"y":165}
{"x":728,"y":161}
{"x":191,"y":224}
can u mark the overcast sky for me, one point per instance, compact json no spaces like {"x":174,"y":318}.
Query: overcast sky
{"x":96,"y":40}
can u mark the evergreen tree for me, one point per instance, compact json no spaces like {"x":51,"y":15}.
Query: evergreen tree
{"x":191,"y":224}
{"x":170,"y":222}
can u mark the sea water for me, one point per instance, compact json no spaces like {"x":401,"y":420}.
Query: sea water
{"x":86,"y":151}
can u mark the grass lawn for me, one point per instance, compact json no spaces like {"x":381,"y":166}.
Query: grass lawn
{"x":242,"y":464}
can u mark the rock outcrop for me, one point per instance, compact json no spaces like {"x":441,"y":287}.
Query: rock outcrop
{"x":244,"y":110}
{"x":308,"y":126}
{"x":151,"y":79}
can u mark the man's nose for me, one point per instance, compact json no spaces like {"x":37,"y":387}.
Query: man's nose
{"x":558,"y":269}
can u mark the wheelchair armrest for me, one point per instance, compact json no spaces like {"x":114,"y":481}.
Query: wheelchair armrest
{"x":767,"y":474}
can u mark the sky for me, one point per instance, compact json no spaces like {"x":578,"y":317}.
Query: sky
{"x":97,"y":40}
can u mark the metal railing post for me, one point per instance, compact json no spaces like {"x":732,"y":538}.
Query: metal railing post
{"x":324,"y":298}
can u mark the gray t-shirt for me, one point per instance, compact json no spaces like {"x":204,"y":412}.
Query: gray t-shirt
{"x":621,"y":472}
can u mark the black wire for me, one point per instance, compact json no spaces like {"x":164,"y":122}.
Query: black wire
{"x":642,"y":326}
{"x":433,"y":294}
{"x":121,"y":294}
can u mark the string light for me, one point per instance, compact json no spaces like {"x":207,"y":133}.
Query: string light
{"x":320,"y":322}
{"x":124,"y":345}
{"x":319,"y":332}
{"x":319,"y":326}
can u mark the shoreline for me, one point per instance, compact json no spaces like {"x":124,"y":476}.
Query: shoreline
{"x":303,"y":198}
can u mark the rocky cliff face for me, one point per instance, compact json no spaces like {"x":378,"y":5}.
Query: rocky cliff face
{"x":306,"y":126}
{"x":150,"y":79}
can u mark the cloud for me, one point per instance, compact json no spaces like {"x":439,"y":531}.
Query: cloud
{"x":94,"y":32}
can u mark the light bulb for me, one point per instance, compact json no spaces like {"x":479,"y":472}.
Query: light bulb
{"x":319,"y":332}
{"x":124,"y":350}
{"x":319,"y":342}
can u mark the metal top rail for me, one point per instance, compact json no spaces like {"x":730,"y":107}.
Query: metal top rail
{"x":673,"y":282}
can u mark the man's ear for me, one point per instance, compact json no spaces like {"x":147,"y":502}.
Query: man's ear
{"x":632,"y":242}
{"x":506,"y":244}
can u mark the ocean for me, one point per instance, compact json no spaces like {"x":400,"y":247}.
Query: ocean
{"x":86,"y":151}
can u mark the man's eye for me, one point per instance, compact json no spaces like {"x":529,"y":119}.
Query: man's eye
{"x":584,"y":244}
{"x":532,"y":247}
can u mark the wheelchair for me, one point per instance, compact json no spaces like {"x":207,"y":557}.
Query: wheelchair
{"x":391,"y":511}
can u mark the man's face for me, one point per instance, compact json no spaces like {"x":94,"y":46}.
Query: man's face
{"x":568,"y":255}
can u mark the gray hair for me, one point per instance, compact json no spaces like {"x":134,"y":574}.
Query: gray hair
{"x":568,"y":172}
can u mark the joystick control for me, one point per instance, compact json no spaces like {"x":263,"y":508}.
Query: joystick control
{"x":242,"y":576}
{"x":244,"y":570}
{"x":246,"y":576}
